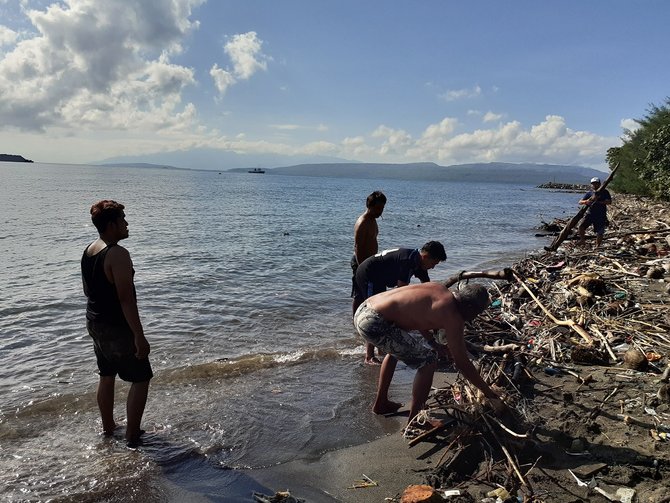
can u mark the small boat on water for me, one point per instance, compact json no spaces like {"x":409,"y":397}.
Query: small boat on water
{"x":256,"y":170}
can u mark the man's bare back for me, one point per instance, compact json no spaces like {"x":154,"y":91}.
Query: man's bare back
{"x":424,"y":306}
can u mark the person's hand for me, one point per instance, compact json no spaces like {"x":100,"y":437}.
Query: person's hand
{"x":142,"y":348}
{"x":442,"y":350}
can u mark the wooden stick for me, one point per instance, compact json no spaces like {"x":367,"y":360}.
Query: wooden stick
{"x":446,"y":450}
{"x":604,"y":341}
{"x":573,"y":221}
{"x":566,"y":323}
{"x":510,"y":460}
{"x":463,"y":275}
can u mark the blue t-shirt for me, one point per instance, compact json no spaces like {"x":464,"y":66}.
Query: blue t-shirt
{"x":390,"y":266}
{"x":597,"y":210}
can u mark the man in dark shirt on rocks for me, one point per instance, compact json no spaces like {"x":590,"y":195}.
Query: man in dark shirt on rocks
{"x":113,"y":321}
{"x":391,"y":268}
{"x":597,"y":202}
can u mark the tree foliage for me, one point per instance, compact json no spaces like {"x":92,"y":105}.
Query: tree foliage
{"x":644,"y":157}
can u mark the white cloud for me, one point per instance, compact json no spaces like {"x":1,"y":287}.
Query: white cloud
{"x":629,"y":124}
{"x":491,"y":117}
{"x":7,"y":36}
{"x":222,"y":79}
{"x":285,"y":127}
{"x":460,"y":94}
{"x":245,"y":52}
{"x":550,"y":141}
{"x":395,"y":141}
{"x":98,"y":64}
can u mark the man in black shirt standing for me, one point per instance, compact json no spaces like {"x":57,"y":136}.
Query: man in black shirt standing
{"x":113,"y":321}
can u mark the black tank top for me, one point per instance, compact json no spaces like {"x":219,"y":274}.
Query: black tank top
{"x":103,"y":301}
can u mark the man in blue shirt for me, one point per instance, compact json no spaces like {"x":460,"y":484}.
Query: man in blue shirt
{"x":597,"y":201}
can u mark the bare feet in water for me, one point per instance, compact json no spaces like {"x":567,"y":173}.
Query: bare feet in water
{"x":388,"y":407}
{"x":373,"y":360}
{"x":109,"y":432}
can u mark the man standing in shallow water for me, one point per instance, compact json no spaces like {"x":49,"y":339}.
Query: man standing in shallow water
{"x":365,"y":245}
{"x":385,"y":320}
{"x":113,"y":321}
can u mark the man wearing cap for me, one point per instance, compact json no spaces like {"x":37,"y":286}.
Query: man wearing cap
{"x":385,"y":320}
{"x":597,"y":201}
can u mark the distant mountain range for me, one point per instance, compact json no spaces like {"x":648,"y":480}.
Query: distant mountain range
{"x":494,"y":172}
{"x":216,"y":159}
{"x":219,"y":160}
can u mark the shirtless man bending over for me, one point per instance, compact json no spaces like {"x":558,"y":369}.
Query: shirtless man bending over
{"x":385,"y":319}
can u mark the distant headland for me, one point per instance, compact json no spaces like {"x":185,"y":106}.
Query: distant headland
{"x":13,"y":158}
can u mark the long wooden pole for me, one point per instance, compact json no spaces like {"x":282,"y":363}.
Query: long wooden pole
{"x":504,"y":274}
{"x":573,"y":221}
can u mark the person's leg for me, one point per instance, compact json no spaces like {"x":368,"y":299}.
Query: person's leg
{"x":105,"y":397}
{"x":582,"y":235}
{"x":382,"y":403}
{"x":599,"y":229}
{"x":137,"y":399}
{"x":423,"y":380}
{"x":369,"y":348}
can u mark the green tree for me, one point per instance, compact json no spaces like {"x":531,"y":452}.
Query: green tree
{"x":644,"y":157}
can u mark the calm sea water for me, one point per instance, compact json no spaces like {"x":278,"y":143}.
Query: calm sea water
{"x":243,"y":284}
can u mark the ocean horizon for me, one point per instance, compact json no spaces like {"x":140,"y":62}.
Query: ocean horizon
{"x":243,"y":286}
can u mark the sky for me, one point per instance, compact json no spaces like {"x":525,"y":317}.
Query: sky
{"x":441,"y":81}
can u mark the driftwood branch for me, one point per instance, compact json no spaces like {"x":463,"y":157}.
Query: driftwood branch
{"x":573,"y":221}
{"x":566,"y":323}
{"x":506,"y":274}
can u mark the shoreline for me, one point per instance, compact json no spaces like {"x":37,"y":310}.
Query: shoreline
{"x":390,"y":463}
{"x":386,"y":460}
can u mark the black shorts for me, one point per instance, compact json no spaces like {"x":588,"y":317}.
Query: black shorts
{"x":354,"y":267}
{"x":114,"y":347}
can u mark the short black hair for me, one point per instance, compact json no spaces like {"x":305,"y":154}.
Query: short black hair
{"x":435,"y":250}
{"x":105,"y":212}
{"x":471,"y":300}
{"x":377,"y":197}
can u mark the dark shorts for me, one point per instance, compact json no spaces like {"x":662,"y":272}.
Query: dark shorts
{"x":599,"y":224}
{"x":354,"y":267}
{"x":410,"y":349}
{"x":114,"y":348}
{"x":366,"y":289}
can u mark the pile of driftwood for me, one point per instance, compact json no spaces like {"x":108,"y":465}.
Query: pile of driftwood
{"x":553,"y":312}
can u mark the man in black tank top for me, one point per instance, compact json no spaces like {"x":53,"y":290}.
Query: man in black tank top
{"x":113,"y":321}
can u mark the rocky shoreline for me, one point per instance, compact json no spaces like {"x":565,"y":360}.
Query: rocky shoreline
{"x":578,"y":342}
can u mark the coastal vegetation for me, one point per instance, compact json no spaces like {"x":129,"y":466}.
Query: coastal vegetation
{"x":644,"y":157}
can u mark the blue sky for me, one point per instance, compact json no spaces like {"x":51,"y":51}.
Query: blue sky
{"x":377,"y":81}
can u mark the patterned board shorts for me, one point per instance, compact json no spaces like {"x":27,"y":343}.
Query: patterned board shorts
{"x":410,"y":349}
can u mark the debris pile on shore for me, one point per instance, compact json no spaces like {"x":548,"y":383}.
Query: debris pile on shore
{"x":578,"y":342}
